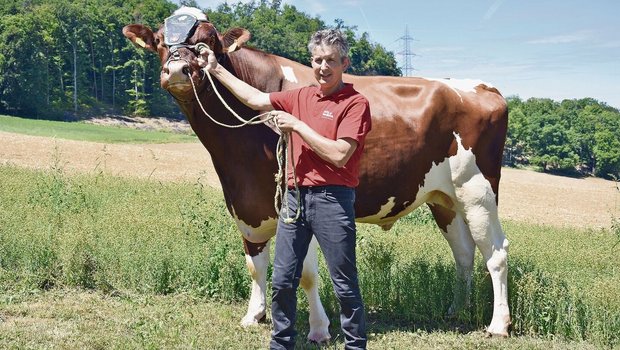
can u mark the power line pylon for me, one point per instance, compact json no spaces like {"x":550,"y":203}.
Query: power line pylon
{"x":407,"y":67}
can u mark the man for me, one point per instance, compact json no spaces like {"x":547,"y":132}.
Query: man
{"x":328,"y":125}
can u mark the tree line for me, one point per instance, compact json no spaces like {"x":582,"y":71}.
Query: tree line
{"x":580,"y":136}
{"x":65,"y":59}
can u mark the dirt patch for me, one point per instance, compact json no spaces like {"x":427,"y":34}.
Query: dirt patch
{"x":180,"y":126}
{"x":524,"y":195}
{"x":556,"y":200}
{"x":161,"y":162}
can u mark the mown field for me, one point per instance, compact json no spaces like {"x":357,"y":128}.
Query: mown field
{"x":97,"y":261}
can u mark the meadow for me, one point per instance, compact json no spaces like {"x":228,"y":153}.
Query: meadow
{"x":97,"y":261}
{"x":82,"y":131}
{"x":89,"y":260}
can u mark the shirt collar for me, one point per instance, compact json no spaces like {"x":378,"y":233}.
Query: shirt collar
{"x":346,"y":90}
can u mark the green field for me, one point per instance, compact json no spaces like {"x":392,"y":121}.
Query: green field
{"x":88,"y":132}
{"x":96,"y":261}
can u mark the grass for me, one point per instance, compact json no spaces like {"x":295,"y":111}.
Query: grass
{"x":88,"y":132}
{"x":70,"y":319}
{"x":95,"y":261}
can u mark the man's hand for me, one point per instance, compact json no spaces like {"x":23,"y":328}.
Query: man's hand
{"x":206,"y":58}
{"x":285,"y":122}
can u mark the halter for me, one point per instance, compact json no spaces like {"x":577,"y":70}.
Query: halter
{"x":177,"y":30}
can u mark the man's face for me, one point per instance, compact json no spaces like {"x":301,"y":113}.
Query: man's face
{"x":328,"y":68}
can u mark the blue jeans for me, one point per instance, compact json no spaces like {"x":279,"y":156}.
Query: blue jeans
{"x":328,"y":214}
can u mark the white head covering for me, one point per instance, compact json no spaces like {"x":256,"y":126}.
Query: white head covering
{"x":184,"y":10}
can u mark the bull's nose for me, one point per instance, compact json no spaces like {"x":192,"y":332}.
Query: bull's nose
{"x":176,"y":73}
{"x":177,"y":68}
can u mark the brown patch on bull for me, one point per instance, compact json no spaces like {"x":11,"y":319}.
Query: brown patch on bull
{"x":440,"y":198}
{"x":401,"y":150}
{"x":487,"y":142}
{"x":386,"y":227}
{"x":443,"y":216}
{"x":307,"y":280}
{"x":253,"y":249}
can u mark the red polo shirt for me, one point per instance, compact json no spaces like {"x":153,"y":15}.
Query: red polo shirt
{"x":344,"y":114}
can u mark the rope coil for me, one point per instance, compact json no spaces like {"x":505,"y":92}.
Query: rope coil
{"x":281,"y":152}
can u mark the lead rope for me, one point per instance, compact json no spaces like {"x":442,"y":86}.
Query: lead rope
{"x":282,"y":157}
{"x":281,"y":153}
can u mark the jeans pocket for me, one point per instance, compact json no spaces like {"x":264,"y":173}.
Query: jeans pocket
{"x":339,"y":195}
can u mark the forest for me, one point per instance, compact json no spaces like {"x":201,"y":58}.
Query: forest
{"x":62,"y":59}
{"x":68,"y":60}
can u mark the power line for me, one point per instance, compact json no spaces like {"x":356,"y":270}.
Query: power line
{"x":407,"y":67}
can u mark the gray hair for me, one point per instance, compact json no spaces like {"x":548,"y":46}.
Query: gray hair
{"x":330,"y":37}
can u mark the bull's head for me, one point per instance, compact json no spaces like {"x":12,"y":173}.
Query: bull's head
{"x":178,"y":42}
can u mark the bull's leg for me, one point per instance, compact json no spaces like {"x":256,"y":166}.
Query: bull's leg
{"x":480,"y":209}
{"x":257,"y":261}
{"x":319,"y":322}
{"x":459,"y":238}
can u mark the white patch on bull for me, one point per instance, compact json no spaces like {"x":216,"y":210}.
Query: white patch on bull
{"x":450,"y":175}
{"x":319,"y":322}
{"x":289,"y":74}
{"x":464,"y":85}
{"x":262,"y":233}
{"x":257,"y":266}
{"x":463,"y":249}
{"x":383,"y":211}
{"x":476,"y":200}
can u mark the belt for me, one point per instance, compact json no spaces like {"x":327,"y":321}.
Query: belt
{"x":321,"y":189}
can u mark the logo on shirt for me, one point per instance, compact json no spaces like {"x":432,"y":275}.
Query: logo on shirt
{"x":327,"y":115}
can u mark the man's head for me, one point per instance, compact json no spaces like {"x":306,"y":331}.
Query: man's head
{"x":330,"y":58}
{"x":330,"y":37}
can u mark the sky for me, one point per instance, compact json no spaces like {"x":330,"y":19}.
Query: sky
{"x":558,"y":49}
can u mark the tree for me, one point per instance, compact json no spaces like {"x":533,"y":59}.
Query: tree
{"x":284,"y":31}
{"x":573,"y":135}
{"x":370,"y":59}
{"x":607,"y":145}
{"x":515,"y":147}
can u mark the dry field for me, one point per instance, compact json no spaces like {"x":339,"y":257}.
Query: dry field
{"x":524,"y":195}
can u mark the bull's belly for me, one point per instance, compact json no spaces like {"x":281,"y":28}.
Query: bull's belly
{"x":440,"y":186}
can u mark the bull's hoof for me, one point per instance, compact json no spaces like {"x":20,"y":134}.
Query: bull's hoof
{"x":319,"y":337}
{"x":487,"y":334}
{"x":498,"y":331}
{"x":249,"y":320}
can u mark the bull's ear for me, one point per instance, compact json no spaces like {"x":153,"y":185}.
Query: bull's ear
{"x":141,"y":36}
{"x":235,"y":38}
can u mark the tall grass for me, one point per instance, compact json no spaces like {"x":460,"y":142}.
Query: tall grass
{"x":128,"y":237}
{"x":117,"y":235}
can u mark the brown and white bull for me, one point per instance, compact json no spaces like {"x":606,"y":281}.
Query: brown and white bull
{"x":434,"y":141}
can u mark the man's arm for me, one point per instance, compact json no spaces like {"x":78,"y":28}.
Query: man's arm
{"x":249,"y":95}
{"x":337,"y":152}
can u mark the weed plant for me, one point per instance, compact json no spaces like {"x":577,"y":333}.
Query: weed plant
{"x":134,"y":238}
